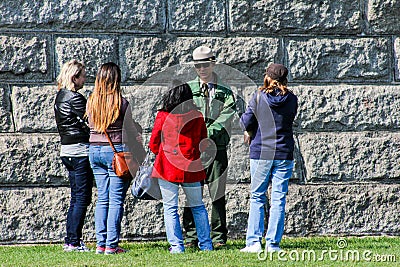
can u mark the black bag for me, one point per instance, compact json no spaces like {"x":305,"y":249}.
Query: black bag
{"x":144,"y":186}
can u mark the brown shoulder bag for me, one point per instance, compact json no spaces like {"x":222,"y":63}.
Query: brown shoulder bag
{"x":124,"y":163}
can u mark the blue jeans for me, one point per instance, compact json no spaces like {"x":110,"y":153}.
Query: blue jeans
{"x":216,"y":181}
{"x":111,"y":196}
{"x":81,"y":182}
{"x":194,"y":200}
{"x":262,"y":171}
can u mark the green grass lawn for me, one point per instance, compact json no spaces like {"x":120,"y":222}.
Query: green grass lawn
{"x":315,"y":251}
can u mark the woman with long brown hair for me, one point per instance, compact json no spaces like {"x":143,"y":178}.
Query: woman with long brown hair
{"x":270,"y":117}
{"x":109,"y":112}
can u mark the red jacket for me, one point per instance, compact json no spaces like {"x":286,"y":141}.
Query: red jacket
{"x":175,"y":140}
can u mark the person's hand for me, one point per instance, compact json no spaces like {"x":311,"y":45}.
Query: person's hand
{"x":139,"y":139}
{"x":246,"y":138}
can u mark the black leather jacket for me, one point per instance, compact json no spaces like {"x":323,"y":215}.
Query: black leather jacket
{"x":69,"y":110}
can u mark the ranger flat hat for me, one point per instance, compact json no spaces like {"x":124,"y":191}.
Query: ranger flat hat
{"x":203,"y":54}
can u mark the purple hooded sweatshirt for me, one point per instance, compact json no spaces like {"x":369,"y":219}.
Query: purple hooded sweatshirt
{"x":270,"y":116}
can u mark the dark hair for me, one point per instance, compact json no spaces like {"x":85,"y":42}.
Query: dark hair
{"x":179,"y":99}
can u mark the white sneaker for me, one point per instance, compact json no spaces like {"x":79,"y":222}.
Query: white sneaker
{"x":80,"y":248}
{"x":272,"y":249}
{"x":255,"y":248}
{"x":83,"y":247}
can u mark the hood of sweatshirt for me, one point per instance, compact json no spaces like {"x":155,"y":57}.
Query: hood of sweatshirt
{"x":275,"y":98}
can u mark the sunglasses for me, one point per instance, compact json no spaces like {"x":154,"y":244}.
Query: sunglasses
{"x":204,"y":65}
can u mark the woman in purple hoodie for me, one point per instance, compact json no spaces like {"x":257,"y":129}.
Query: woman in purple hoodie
{"x":269,"y":117}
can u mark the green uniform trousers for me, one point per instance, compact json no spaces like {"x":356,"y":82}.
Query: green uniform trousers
{"x":216,"y":182}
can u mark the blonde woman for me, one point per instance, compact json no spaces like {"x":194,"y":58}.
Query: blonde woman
{"x":108,"y":111}
{"x":69,"y":110}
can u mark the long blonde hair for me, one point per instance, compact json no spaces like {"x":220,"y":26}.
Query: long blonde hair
{"x":270,"y":85}
{"x":71,"y":69}
{"x":105,"y":101}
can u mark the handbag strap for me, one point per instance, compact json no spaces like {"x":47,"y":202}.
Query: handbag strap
{"x":109,"y":140}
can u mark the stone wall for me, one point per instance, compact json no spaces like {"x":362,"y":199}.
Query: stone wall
{"x":343,"y":59}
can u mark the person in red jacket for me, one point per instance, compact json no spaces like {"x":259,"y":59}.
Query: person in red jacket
{"x":178,"y":133}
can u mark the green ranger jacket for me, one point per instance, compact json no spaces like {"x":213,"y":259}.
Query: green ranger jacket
{"x":221,"y":111}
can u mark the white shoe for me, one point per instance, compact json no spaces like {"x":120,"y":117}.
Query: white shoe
{"x":255,"y":248}
{"x":272,"y":249}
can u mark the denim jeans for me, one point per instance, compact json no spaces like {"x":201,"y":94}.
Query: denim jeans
{"x":216,"y":182}
{"x":263,"y":171}
{"x":194,"y":200}
{"x":81,"y":182}
{"x":111,"y":196}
